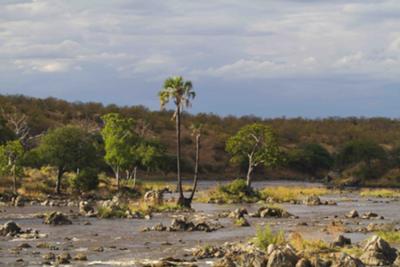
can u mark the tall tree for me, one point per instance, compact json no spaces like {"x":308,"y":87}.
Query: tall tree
{"x":68,"y":149}
{"x":196,"y":133}
{"x":257,"y":144}
{"x":181,"y":92}
{"x":11,"y":160}
{"x":119,"y":138}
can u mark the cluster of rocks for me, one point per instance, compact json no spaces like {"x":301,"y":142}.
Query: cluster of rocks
{"x":63,"y":258}
{"x":168,"y":262}
{"x":353,"y":214}
{"x":182,"y":223}
{"x":268,"y":211}
{"x":377,"y":252}
{"x":11,"y":229}
{"x":238,"y":216}
{"x":56,"y":218}
{"x":87,"y":209}
{"x":316,"y":201}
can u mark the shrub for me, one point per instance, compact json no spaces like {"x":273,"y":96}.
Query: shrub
{"x":265,"y":237}
{"x":310,"y":158}
{"x":236,"y":187}
{"x":86,"y":180}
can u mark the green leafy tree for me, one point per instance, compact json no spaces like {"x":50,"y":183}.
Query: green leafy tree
{"x":11,"y":160}
{"x":360,"y":151}
{"x":67,"y":148}
{"x":310,"y":158}
{"x":119,"y":138}
{"x":257,"y":144}
{"x":181,"y":92}
{"x":145,"y":155}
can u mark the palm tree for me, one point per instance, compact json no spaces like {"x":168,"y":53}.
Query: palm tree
{"x":180,"y":92}
{"x":196,"y":133}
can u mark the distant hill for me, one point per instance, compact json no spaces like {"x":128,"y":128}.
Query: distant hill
{"x":331,"y":133}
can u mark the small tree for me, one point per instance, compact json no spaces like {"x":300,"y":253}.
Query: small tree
{"x":310,"y":158}
{"x":11,"y":160}
{"x":256,"y":143}
{"x":180,"y":92}
{"x":119,"y":138}
{"x":67,"y":149}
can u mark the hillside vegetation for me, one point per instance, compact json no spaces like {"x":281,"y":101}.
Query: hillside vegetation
{"x":359,"y":150}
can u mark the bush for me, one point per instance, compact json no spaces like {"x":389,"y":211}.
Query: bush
{"x":310,"y":158}
{"x":236,"y":187}
{"x":86,"y":180}
{"x":265,"y":237}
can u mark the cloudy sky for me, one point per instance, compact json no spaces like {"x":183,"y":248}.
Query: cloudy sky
{"x":311,"y":58}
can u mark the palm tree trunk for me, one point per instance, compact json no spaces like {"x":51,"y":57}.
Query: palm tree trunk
{"x":60,"y":173}
{"x":196,"y":168}
{"x":178,"y":152}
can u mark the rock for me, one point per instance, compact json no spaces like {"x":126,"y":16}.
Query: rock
{"x":224,"y":262}
{"x":24,"y":246}
{"x":397,"y":261}
{"x":345,"y":260}
{"x":63,"y":258}
{"x":57,"y":218}
{"x":80,"y":257}
{"x":285,"y":257}
{"x":49,"y":256}
{"x":352,"y":214}
{"x":312,"y":201}
{"x":18,"y":201}
{"x":378,"y":252}
{"x":369,"y":215}
{"x":265,"y":212}
{"x":317,"y":262}
{"x":303,"y":262}
{"x":341,"y":241}
{"x":238,"y":213}
{"x":86,"y":209}
{"x":208,"y":252}
{"x":98,"y":249}
{"x":10,"y":228}
{"x":154,"y":197}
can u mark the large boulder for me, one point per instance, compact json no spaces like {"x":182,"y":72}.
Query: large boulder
{"x":57,"y":218}
{"x":10,"y":229}
{"x":86,"y":209}
{"x":283,"y":257}
{"x":344,"y":260}
{"x":312,"y":201}
{"x":352,"y":214}
{"x":155,"y":197}
{"x":341,"y":241}
{"x":266,"y":212}
{"x":378,"y":252}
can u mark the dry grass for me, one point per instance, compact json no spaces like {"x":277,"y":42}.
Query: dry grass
{"x":310,"y":247}
{"x":382,"y":193}
{"x":286,"y":194}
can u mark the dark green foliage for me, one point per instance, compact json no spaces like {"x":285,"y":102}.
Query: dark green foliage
{"x":310,"y":158}
{"x":360,"y":151}
{"x":86,"y":180}
{"x":5,"y":133}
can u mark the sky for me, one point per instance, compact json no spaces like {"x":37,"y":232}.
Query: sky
{"x":309,"y":58}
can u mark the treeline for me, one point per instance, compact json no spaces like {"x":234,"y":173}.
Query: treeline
{"x":361,"y":148}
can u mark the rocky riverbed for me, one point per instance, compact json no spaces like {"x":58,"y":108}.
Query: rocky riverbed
{"x":89,"y":241}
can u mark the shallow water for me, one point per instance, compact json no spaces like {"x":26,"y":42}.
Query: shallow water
{"x":124,"y":243}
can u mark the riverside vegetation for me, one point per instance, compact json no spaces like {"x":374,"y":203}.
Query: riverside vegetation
{"x":96,"y":171}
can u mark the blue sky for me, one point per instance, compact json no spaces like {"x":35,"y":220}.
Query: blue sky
{"x":270,"y":58}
